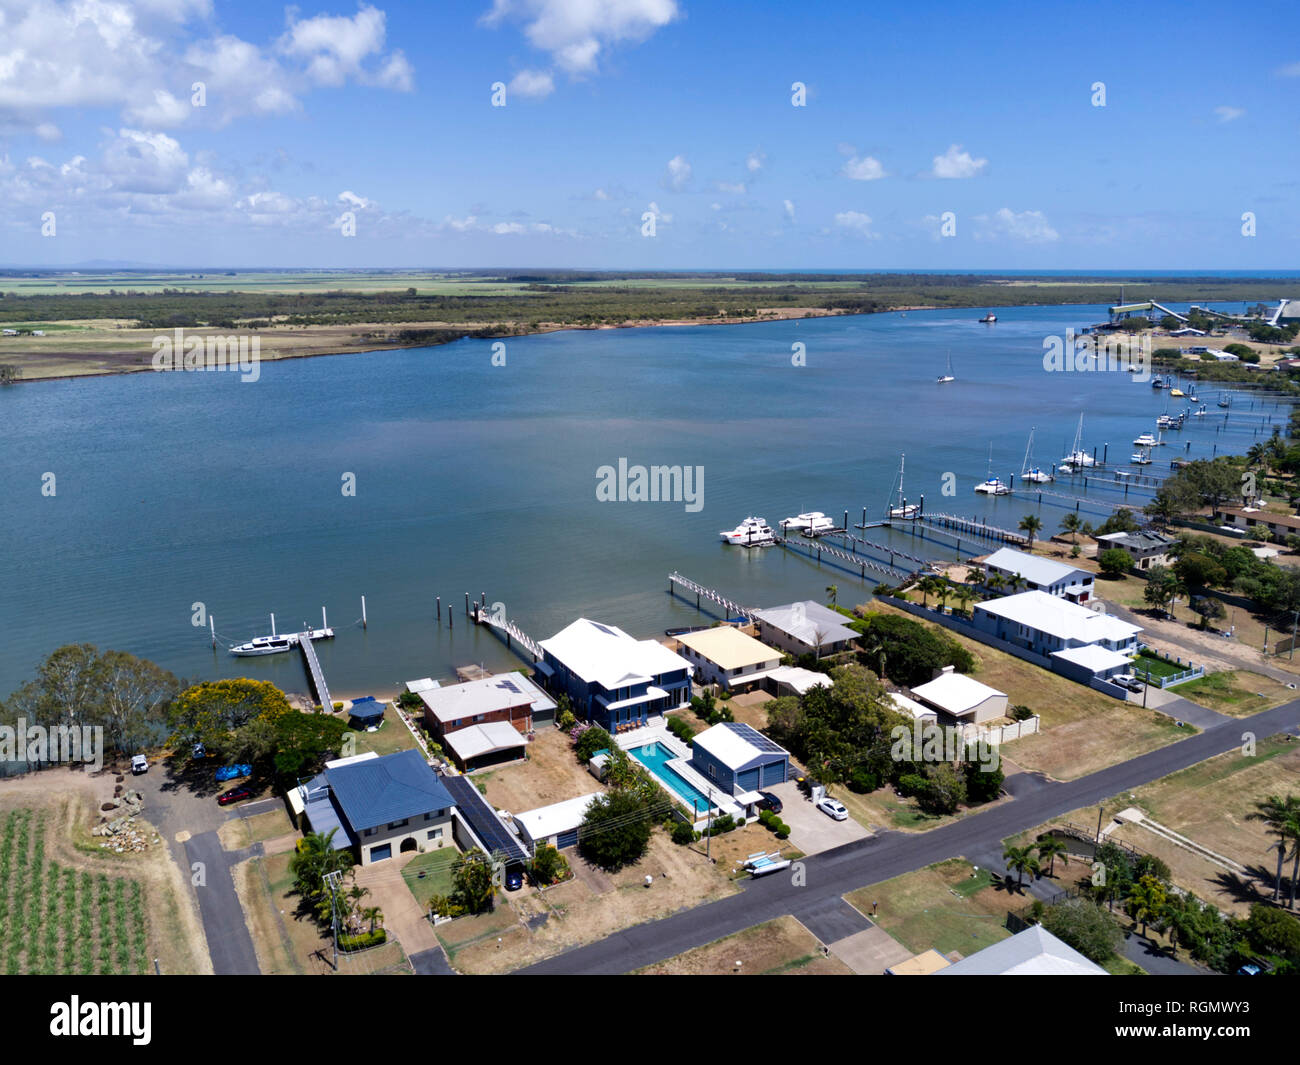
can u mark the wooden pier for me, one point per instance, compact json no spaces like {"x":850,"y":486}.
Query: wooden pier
{"x":314,"y":671}
{"x":700,"y":592}
{"x":816,"y":550}
{"x":892,"y":552}
{"x":972,"y":527}
{"x":511,"y":633}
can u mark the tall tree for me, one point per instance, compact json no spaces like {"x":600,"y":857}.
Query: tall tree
{"x":1021,"y":860}
{"x":1030,"y":525}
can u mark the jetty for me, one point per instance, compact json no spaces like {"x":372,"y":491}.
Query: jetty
{"x":700,"y":592}
{"x":509,"y":632}
{"x":972,"y":527}
{"x":852,"y":542}
{"x":815,"y":550}
{"x":314,"y":671}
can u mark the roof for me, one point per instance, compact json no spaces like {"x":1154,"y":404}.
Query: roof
{"x":921,"y":965}
{"x":904,"y":705}
{"x":366,"y":709}
{"x":559,"y":817}
{"x":1261,"y":517}
{"x":1139,"y":541}
{"x":798,"y":678}
{"x":807,"y":620}
{"x":608,"y":656}
{"x":1037,"y":570}
{"x":738,"y":746}
{"x":729,"y":648}
{"x":379,"y":791}
{"x":501,"y":692}
{"x":1033,"y":952}
{"x":955,"y":693}
{"x":1058,"y":617}
{"x":483,"y":820}
{"x":423,"y":684}
{"x":478,"y":740}
{"x":1093,"y":657}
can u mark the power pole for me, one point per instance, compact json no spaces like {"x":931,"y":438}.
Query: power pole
{"x":331,"y":882}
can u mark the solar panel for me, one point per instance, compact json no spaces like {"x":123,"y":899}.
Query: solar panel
{"x":509,"y":685}
{"x":753,"y":736}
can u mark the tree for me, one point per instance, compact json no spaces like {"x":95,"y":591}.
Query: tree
{"x":616,"y":829}
{"x":1086,"y":927}
{"x":548,"y":865}
{"x":1021,"y":860}
{"x":211,"y":711}
{"x":929,"y":585}
{"x":303,"y":740}
{"x":832,"y":591}
{"x":1114,"y":562}
{"x":1278,"y":816}
{"x":965,"y":595}
{"x":1198,"y":570}
{"x":1272,"y":931}
{"x":1071,"y":524}
{"x":1260,"y":533}
{"x":914,"y":651}
{"x":944,"y":791}
{"x":314,"y":859}
{"x":1146,"y":900}
{"x":1207,"y":607}
{"x":473,"y":883}
{"x":590,"y":741}
{"x":1030,"y":525}
{"x":1049,"y":849}
{"x":982,"y":784}
{"x":1162,"y":587}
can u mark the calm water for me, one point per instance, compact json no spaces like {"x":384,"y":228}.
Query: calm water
{"x":176,"y":489}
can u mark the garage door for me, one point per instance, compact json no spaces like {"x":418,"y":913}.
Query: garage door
{"x":567,"y":839}
{"x":378,"y":854}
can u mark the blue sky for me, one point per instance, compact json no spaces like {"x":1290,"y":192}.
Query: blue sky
{"x":317,"y":120}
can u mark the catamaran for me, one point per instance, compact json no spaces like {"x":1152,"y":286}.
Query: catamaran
{"x":945,"y":378}
{"x":1077,"y":458}
{"x":993,"y":486}
{"x":752,"y":532}
{"x":1032,"y":473}
{"x":903,"y":509}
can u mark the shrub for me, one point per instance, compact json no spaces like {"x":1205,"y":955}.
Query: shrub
{"x":338,"y":706}
{"x":683,"y":833}
{"x":863,"y":780}
{"x":591,"y":740}
{"x":681,"y":728}
{"x":1021,"y":712}
{"x":362,"y":940}
{"x":783,"y":830}
{"x":910,"y":784}
{"x":722,"y":824}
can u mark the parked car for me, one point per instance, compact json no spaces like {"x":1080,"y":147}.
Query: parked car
{"x":1127,"y":680}
{"x":200,"y":751}
{"x":233,"y":772}
{"x":139,"y":763}
{"x":514,"y":880}
{"x":769,"y":802}
{"x":832,"y":808}
{"x":234,"y":795}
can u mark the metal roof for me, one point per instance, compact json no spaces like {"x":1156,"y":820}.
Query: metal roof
{"x":1040,"y":571}
{"x":1058,"y":617}
{"x":955,"y":693}
{"x":483,"y":819}
{"x":379,"y":791}
{"x":738,"y":746}
{"x":729,"y":648}
{"x":1033,"y":952}
{"x":608,"y":656}
{"x":485,"y":696}
{"x":478,"y":740}
{"x":807,"y":621}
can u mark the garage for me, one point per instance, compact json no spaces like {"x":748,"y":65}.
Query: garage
{"x":378,"y":854}
{"x":739,"y":759}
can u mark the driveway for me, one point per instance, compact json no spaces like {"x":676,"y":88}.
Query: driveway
{"x":812,"y":831}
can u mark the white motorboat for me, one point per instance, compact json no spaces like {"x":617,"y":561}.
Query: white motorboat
{"x":278,"y":643}
{"x":1029,"y":472}
{"x":990,"y":317}
{"x":820,"y":525}
{"x":1141,"y":458}
{"x":902,"y":509}
{"x":752,"y":532}
{"x":802,"y":522}
{"x":1146,"y":440}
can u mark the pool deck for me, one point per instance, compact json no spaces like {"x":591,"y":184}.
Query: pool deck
{"x":656,"y":732}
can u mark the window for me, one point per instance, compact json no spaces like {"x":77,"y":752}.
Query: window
{"x":369,"y":832}
{"x":433,"y":833}
{"x":399,"y":824}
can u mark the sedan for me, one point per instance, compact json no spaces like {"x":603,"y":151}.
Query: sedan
{"x":234,"y":795}
{"x":768,"y":801}
{"x":831,"y":808}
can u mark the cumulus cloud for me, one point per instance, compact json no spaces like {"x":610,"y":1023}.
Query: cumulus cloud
{"x":754,"y":162}
{"x":863,"y":168}
{"x":678,"y":174}
{"x":856,"y":222}
{"x":1030,"y":227}
{"x":788,"y":207}
{"x":575,"y":33}
{"x":955,"y":163}
{"x":1228,"y":114}
{"x":532,"y":83}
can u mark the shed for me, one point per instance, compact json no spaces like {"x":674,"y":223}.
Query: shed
{"x":962,"y":697}
{"x":738,"y":758}
{"x":483,"y":745}
{"x":366,"y":711}
{"x":556,"y":824}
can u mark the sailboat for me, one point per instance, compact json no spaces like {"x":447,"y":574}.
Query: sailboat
{"x":904,"y":509}
{"x":1226,"y":401}
{"x":992,"y":486}
{"x":1077,"y":458}
{"x":1032,"y":473}
{"x":945,"y":378}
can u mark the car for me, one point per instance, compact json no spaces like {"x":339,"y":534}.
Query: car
{"x":1127,"y":680}
{"x":514,"y":880}
{"x":139,"y":763}
{"x":832,"y":808}
{"x":234,"y":795}
{"x":769,"y":802}
{"x":199,"y":751}
{"x":233,"y":772}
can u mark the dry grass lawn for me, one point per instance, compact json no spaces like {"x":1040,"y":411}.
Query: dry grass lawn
{"x":1235,"y":692}
{"x":783,"y":946}
{"x":550,"y":774}
{"x":243,"y":832}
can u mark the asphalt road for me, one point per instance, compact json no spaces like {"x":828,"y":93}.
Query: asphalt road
{"x":833,"y":873}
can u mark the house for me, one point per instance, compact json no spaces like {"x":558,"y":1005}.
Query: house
{"x":1146,"y":548}
{"x":556,"y":824}
{"x":724,"y":655}
{"x":804,"y":628}
{"x":612,"y":679}
{"x":1033,"y":952}
{"x":961,"y":698}
{"x":1043,"y":623}
{"x":794,"y":680}
{"x":1221,"y":356}
{"x":911,"y":708}
{"x":739,"y":759}
{"x":1243,"y":518}
{"x":11,"y":332}
{"x":1082,"y":664}
{"x":1041,"y":574}
{"x":378,"y":806}
{"x":505,"y":697}
{"x":478,"y":746}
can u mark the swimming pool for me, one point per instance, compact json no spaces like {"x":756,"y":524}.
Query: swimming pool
{"x":655,"y":757}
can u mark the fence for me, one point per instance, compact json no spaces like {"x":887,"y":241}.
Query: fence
{"x":998,"y":735}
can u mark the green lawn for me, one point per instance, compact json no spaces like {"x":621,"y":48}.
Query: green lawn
{"x":393,"y":736}
{"x":436,"y":867}
{"x":1157,"y":667}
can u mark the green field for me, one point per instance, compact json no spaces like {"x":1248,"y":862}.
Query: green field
{"x":436,"y":867}
{"x":58,"y":920}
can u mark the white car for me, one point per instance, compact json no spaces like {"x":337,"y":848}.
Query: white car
{"x":832,"y":808}
{"x":139,"y":764}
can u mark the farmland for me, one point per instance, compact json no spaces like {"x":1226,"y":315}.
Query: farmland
{"x":55,"y":919}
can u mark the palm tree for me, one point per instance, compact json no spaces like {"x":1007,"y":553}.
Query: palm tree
{"x":928,"y":586}
{"x":1022,"y":861}
{"x":1293,"y":830}
{"x":832,"y":591}
{"x":1031,"y":524}
{"x":1072,"y":523}
{"x":943,"y":591}
{"x":965,"y":595}
{"x":372,"y":914}
{"x":996,"y":582}
{"x":1049,"y":849}
{"x":1278,"y":816}
{"x":1014,"y":582}
{"x":1146,"y":901}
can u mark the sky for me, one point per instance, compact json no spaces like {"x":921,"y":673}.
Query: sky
{"x":649,"y":134}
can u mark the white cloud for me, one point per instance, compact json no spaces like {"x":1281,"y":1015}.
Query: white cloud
{"x":533,"y":83}
{"x":1229,"y":114}
{"x":347,"y":196}
{"x":48,"y":131}
{"x":678,"y":175}
{"x":788,"y":206}
{"x":166,"y":111}
{"x":734,"y":187}
{"x":863,"y":169}
{"x":1031,"y":227}
{"x":660,"y":216}
{"x":576,"y":32}
{"x":855,"y":221}
{"x":754,"y":162}
{"x":1291,"y":70}
{"x":955,"y":163}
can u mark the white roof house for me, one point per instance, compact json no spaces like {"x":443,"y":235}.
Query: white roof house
{"x":797,"y":679}
{"x":547,"y":822}
{"x":1033,"y":952}
{"x":472,"y":698}
{"x":802,"y":627}
{"x":1097,"y":660}
{"x":608,"y":656}
{"x":476,"y":741}
{"x":1045,"y":623}
{"x":1041,"y":574}
{"x":960,"y":696}
{"x":911,"y":707}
